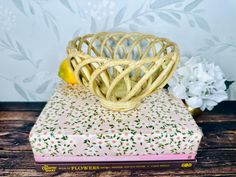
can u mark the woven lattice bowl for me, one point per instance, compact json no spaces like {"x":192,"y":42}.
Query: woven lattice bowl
{"x":122,"y":68}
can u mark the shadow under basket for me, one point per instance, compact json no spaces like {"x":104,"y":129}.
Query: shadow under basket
{"x":122,"y":68}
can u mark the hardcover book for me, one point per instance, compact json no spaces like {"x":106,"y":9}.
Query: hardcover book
{"x":72,"y":167}
{"x":74,"y":127}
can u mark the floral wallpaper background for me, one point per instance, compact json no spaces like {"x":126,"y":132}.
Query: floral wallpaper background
{"x":34,"y":35}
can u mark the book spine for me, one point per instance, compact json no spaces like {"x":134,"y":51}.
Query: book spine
{"x":72,"y":167}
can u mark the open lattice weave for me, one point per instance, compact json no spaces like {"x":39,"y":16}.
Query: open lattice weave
{"x":122,"y":68}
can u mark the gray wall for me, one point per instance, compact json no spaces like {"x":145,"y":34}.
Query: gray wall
{"x":34,"y":35}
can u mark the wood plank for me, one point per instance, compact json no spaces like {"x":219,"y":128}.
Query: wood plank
{"x":22,"y":106}
{"x":21,"y":126}
{"x":19,"y":115}
{"x":215,"y":118}
{"x":121,"y":173}
{"x":224,"y":139}
{"x":14,"y":141}
{"x":33,"y":173}
{"x":225,"y":107}
{"x":32,"y":116}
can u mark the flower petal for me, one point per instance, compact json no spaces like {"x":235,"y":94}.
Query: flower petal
{"x":179,"y":91}
{"x":194,"y":102}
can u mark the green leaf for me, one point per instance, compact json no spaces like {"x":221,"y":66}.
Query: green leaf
{"x":64,"y":138}
{"x":111,"y":125}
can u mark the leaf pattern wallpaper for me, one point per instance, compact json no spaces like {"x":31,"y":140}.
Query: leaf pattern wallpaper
{"x":34,"y":35}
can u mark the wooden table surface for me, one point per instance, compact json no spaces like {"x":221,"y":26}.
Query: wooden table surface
{"x":216,"y":155}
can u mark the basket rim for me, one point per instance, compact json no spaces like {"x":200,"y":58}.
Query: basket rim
{"x":73,"y":51}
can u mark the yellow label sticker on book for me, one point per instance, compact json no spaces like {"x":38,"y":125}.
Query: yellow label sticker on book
{"x":186,"y":165}
{"x":47,"y":168}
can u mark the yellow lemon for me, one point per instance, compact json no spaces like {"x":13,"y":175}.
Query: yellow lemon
{"x":65,"y":72}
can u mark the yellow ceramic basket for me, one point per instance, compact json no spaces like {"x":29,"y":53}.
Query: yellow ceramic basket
{"x":122,"y":68}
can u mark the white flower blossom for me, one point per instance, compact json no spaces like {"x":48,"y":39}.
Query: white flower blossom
{"x":199,"y":83}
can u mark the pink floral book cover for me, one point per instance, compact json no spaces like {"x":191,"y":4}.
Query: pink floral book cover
{"x":74,"y":126}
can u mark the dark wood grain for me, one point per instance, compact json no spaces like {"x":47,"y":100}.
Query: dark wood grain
{"x":216,"y":156}
{"x":22,"y":106}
